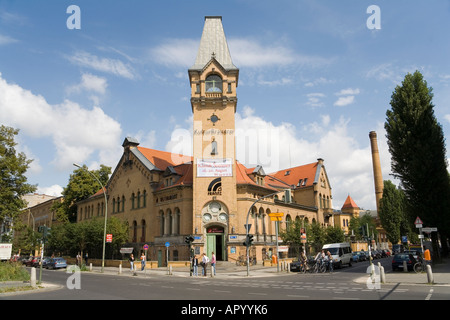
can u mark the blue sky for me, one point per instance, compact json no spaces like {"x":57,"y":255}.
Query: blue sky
{"x":314,"y":80}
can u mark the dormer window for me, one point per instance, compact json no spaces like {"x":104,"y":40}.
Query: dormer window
{"x":213,"y":83}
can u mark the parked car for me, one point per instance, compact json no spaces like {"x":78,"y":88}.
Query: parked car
{"x":45,"y":262}
{"x":397,"y":261}
{"x":385,"y":253}
{"x":56,"y":263}
{"x":414,"y":252}
{"x":355,"y":256}
{"x":31,"y":262}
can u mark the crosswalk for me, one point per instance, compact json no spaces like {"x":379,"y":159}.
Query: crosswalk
{"x":293,"y":289}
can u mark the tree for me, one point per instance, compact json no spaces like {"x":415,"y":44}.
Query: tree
{"x":81,"y":186}
{"x":13,"y":183}
{"x":392,"y":212}
{"x":418,"y":155}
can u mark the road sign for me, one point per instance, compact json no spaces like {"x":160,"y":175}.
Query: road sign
{"x":276,"y":216}
{"x":429,"y":230}
{"x":418,"y":221}
{"x":145,"y":246}
{"x":109,"y":238}
{"x":167,"y":244}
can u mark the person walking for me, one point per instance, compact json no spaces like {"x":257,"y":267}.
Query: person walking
{"x":205,"y":261}
{"x":86,"y":257}
{"x":213,"y":262}
{"x":131,"y":259}
{"x":143,"y":262}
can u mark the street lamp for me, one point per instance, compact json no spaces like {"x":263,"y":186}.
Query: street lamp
{"x":106,"y":212}
{"x":248,"y":228}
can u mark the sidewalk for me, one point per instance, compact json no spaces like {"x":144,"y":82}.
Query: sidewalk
{"x":226,"y":270}
{"x":440,"y":272}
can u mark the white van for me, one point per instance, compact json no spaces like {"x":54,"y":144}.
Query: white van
{"x":341,"y":253}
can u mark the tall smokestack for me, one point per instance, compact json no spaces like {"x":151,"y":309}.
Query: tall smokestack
{"x":378,"y":177}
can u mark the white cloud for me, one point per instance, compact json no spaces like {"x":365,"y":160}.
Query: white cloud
{"x":112,"y":66}
{"x":245,"y":53}
{"x":176,"y":52}
{"x":343,"y":101}
{"x":346,"y":97}
{"x":76,"y":132}
{"x":54,"y":190}
{"x":314,"y":99}
{"x":4,"y":40}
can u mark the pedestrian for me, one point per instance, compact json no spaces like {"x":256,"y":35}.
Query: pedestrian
{"x":86,"y":256}
{"x":205,"y":261}
{"x":195,"y":266}
{"x":142,"y":261}
{"x":131,"y":259}
{"x":330,"y":261}
{"x":79,"y":260}
{"x":213,"y":262}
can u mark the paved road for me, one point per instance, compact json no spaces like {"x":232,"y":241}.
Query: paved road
{"x":232,"y":284}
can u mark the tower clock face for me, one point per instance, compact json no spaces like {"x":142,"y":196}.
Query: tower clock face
{"x":215,"y":207}
{"x":214,"y":118}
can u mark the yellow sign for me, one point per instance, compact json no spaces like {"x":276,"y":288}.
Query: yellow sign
{"x":276,"y":216}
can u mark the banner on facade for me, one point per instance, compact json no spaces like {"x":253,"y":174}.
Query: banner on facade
{"x":214,"y":167}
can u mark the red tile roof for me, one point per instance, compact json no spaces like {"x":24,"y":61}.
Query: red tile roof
{"x":292,"y":176}
{"x":349,"y":203}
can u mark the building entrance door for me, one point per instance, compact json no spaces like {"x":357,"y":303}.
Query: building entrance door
{"x":215,"y":242}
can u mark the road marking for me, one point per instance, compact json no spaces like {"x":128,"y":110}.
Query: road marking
{"x":344,"y":298}
{"x":258,"y":293}
{"x":222,"y":291}
{"x":429,"y":294}
{"x":296,"y":296}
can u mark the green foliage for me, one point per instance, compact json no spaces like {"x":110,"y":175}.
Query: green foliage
{"x":417,"y":146}
{"x":87,"y":236}
{"x":13,"y":271}
{"x":393,"y":213}
{"x":13,"y":183}
{"x":81,"y":186}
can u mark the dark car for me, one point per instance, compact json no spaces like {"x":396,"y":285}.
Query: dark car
{"x":397,"y":261}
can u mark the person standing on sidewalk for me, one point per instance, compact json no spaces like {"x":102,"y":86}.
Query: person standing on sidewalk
{"x":142,"y":262}
{"x":131,"y":262}
{"x":213,"y":263}
{"x":205,"y":261}
{"x":195,"y":266}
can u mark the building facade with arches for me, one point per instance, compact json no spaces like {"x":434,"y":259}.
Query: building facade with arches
{"x":165,"y":197}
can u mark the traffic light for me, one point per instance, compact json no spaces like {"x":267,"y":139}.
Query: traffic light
{"x":189,"y":239}
{"x":248,"y":240}
{"x":45,"y":232}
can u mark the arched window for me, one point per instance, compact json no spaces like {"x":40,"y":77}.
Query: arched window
{"x":213,"y":83}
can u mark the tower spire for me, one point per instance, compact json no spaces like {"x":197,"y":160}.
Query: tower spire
{"x":213,"y":44}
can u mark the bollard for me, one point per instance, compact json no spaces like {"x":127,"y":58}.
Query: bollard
{"x":212,"y":270}
{"x":33,"y":277}
{"x":288,"y":268}
{"x":405,"y":267}
{"x":120,"y":268}
{"x":430,"y":275}
{"x":90,"y":266}
{"x":382,"y":275}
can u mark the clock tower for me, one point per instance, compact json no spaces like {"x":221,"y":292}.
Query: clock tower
{"x":213,"y":79}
